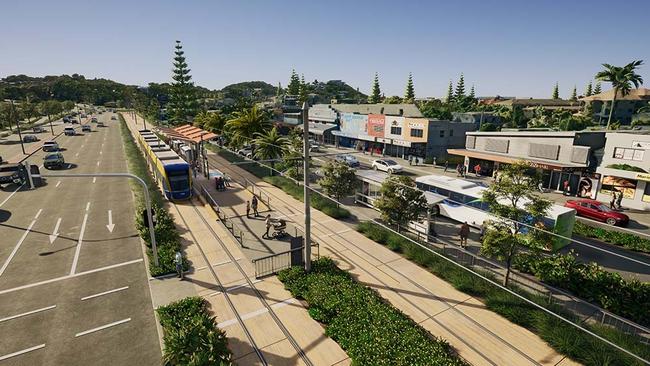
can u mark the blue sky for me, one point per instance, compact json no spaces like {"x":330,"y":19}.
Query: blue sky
{"x":513,"y":48}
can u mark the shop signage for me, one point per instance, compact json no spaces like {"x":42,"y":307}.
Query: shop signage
{"x":643,"y":176}
{"x":376,"y":125}
{"x":534,"y":164}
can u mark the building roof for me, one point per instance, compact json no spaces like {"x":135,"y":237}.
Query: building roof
{"x":407,"y":110}
{"x":536,"y":102}
{"x":509,"y":159}
{"x":635,"y":94}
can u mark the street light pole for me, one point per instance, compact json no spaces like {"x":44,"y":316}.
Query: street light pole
{"x":305,"y":148}
{"x":20,"y":136}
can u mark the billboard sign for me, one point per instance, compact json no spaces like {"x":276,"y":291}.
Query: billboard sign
{"x":376,"y":125}
{"x":353,"y":124}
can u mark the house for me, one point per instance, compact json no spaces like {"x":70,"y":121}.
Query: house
{"x":624,"y":108}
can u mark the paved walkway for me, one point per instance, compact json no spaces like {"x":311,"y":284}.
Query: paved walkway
{"x":255,"y":314}
{"x":478,"y":334}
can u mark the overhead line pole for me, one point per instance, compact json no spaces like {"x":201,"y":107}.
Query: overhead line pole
{"x":305,"y":149}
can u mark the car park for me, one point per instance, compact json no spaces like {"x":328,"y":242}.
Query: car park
{"x":69,"y":131}
{"x":30,"y":138}
{"x":386,"y":165}
{"x":347,"y":159}
{"x":50,"y":146}
{"x":85,"y":128}
{"x":598,"y":211}
{"x":53,"y":160}
{"x":38,"y":129}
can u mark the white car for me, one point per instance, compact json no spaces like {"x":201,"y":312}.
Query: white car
{"x":386,"y":165}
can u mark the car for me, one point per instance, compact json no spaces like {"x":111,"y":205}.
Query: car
{"x":597,"y":210}
{"x":113,"y":118}
{"x":246,"y":151}
{"x":30,"y":138}
{"x":38,"y":129}
{"x":12,"y":173}
{"x":66,"y":119}
{"x":313,"y":146}
{"x":85,"y":128}
{"x":100,"y":124}
{"x":53,"y":160}
{"x":69,"y":131}
{"x":386,"y":165}
{"x":50,"y":146}
{"x":73,"y":121}
{"x":347,"y":159}
{"x":93,"y":120}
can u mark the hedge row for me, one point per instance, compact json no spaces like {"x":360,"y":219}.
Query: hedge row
{"x":167,"y":237}
{"x":625,"y":240}
{"x":563,"y":337}
{"x":318,"y":202}
{"x":630,"y":299}
{"x":369,"y":329}
{"x":191,"y":335}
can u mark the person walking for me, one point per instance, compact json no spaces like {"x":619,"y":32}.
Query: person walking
{"x":565,"y":187}
{"x":248,"y":209}
{"x":477,"y":170}
{"x":612,"y":202}
{"x":619,"y":199}
{"x":463,"y":233}
{"x":178,"y":260}
{"x":267,"y":223}
{"x":446,"y":166}
{"x":254,"y":206}
{"x":410,"y":159}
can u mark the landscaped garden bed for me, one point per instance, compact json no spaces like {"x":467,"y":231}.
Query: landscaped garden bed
{"x":625,"y":240}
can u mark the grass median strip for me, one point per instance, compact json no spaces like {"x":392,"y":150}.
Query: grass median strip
{"x":191,"y":335}
{"x":563,"y":337}
{"x":625,"y":240}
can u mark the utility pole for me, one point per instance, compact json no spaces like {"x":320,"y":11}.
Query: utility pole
{"x":305,"y":148}
{"x":20,"y":136}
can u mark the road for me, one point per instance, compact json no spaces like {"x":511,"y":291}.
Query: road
{"x":73,"y":292}
{"x":607,"y":255}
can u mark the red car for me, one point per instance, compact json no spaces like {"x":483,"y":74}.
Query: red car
{"x":597,"y":210}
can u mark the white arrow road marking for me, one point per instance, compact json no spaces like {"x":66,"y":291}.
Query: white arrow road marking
{"x":77,"y":154}
{"x":94,"y":179}
{"x":98,"y":163}
{"x":110,"y":225}
{"x":58,"y":184}
{"x":13,"y":252}
{"x":55,"y":233}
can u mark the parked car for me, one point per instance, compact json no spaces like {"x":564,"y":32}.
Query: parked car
{"x":93,"y":120}
{"x":113,"y":118}
{"x":66,"y":119}
{"x":53,"y":160}
{"x":597,"y":210}
{"x":50,"y":146}
{"x":347,"y":159}
{"x":30,"y":138}
{"x":69,"y":131}
{"x":100,"y":124}
{"x":38,"y":129}
{"x":386,"y":165}
{"x":246,"y":151}
{"x":85,"y":128}
{"x":314,"y":146}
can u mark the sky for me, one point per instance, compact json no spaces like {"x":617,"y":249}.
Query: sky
{"x":508,"y":48}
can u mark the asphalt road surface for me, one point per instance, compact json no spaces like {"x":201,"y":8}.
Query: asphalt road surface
{"x":73,"y":285}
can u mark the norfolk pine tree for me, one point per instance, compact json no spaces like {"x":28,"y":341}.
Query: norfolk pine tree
{"x":472,"y":93}
{"x":574,"y":94}
{"x":182,"y":101}
{"x":294,"y":84}
{"x":556,"y":91}
{"x":597,"y":88}
{"x":450,"y":93}
{"x":302,"y":90}
{"x":409,"y":94}
{"x":589,"y":90}
{"x":460,"y":89}
{"x":375,"y":95}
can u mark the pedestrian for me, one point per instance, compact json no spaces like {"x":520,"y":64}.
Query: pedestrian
{"x":410,"y":160}
{"x":565,"y":187}
{"x":178,"y":260}
{"x":458,"y":170}
{"x":267,"y":223}
{"x":477,"y":170}
{"x":226,"y":180}
{"x":482,"y":234}
{"x":612,"y":202}
{"x":254,"y":205}
{"x":619,"y":199}
{"x":248,"y":209}
{"x":463,"y":233}
{"x":446,"y":166}
{"x":417,"y":160}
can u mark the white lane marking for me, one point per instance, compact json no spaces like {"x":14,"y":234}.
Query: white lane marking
{"x":98,"y":163}
{"x":55,"y":233}
{"x":87,"y":206}
{"x":11,"y":195}
{"x":21,"y":352}
{"x":103,"y":327}
{"x":38,"y":214}
{"x":100,"y":152}
{"x":255,"y":313}
{"x":27,"y":313}
{"x":58,"y":184}
{"x":13,"y":252}
{"x":104,"y":293}
{"x":73,"y":269}
{"x":94,"y":179}
{"x":110,"y":225}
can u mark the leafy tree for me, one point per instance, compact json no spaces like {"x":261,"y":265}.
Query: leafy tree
{"x":302,"y":90}
{"x":28,"y":110}
{"x":459,"y":94}
{"x":270,"y":145}
{"x":393,"y":100}
{"x":6,"y":116}
{"x":435,"y":109}
{"x":246,"y":123}
{"x":513,"y":200}
{"x":183,"y":103}
{"x":622,"y":79}
{"x":68,"y":105}
{"x":375,"y":94}
{"x":50,"y":107}
{"x":556,"y":91}
{"x":597,"y":88}
{"x":294,"y":83}
{"x":488,"y":127}
{"x":589,"y":90}
{"x":574,"y":94}
{"x":409,"y":94}
{"x":450,"y":93}
{"x":338,"y":180}
{"x":400,"y":202}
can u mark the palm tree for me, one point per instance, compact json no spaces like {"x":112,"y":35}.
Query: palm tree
{"x":246,"y":123}
{"x":270,"y":146}
{"x":622,"y":79}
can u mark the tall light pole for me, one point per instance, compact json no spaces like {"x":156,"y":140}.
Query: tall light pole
{"x":305,"y":182}
{"x":20,"y":136}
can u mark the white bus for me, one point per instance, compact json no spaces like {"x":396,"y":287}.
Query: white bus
{"x":464,"y":203}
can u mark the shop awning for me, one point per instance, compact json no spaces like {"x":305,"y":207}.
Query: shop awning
{"x":319,"y":128}
{"x":536,"y":163}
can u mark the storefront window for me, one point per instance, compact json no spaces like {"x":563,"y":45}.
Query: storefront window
{"x":395,"y":130}
{"x":646,"y":192}
{"x":618,"y":184}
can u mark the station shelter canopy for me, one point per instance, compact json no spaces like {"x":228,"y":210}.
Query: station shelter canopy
{"x":188,"y":133}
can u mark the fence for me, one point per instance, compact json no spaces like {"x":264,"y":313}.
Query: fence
{"x":582,"y":310}
{"x":256,"y":191}
{"x":236,"y":232}
{"x":276,"y":262}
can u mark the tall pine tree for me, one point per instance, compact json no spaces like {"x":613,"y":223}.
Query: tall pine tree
{"x":278,"y":91}
{"x":460,"y":88}
{"x":302,"y":90}
{"x":375,"y":94}
{"x":597,"y":88}
{"x":589,"y":90}
{"x":294,"y":83}
{"x":574,"y":94}
{"x":556,"y":91}
{"x":409,"y":94}
{"x":182,"y":102}
{"x":450,"y":93}
{"x":472,"y":93}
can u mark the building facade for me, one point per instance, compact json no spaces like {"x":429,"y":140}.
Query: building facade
{"x":624,"y":108}
{"x":625,"y":168}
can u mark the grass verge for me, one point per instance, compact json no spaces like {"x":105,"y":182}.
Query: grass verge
{"x":625,"y":240}
{"x":563,"y":337}
{"x":369,"y":329}
{"x":191,"y":335}
{"x":167,"y":237}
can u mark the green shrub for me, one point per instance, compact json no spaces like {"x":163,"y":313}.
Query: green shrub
{"x":563,"y":337}
{"x":627,"y":167}
{"x":625,"y":240}
{"x":191,"y":336}
{"x":371,"y":330}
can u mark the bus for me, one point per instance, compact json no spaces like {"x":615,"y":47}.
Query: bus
{"x":173,"y":174}
{"x":463,"y":204}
